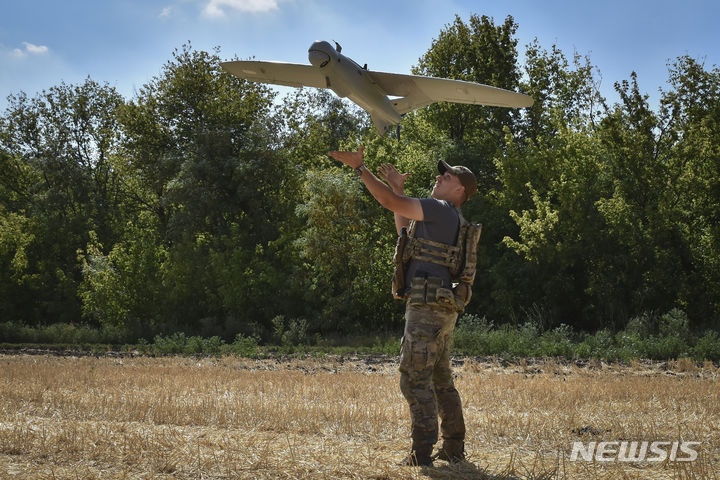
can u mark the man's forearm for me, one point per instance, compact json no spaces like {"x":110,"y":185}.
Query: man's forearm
{"x":409,"y":208}
{"x":385,"y":195}
{"x":378,"y":189}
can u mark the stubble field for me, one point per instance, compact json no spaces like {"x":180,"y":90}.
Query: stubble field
{"x":225,"y":418}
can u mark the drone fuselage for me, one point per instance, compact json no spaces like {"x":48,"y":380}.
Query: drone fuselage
{"x":348,"y":79}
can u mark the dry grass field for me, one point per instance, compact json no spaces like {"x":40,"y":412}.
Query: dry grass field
{"x":225,"y":418}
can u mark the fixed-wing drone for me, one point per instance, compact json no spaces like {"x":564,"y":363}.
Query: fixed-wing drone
{"x":385,"y":96}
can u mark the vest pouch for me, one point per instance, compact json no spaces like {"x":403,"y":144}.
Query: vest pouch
{"x":417,"y":291}
{"x":429,"y":291}
{"x":446,"y":298}
{"x":433,"y":285}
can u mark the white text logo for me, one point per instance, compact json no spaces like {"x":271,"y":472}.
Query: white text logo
{"x":634,"y":451}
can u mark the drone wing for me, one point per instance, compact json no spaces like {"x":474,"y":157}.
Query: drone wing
{"x":277,"y":73}
{"x":417,"y":91}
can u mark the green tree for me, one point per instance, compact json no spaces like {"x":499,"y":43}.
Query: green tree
{"x":691,"y":125}
{"x":211,"y":206}
{"x":316,"y":122}
{"x":184,"y":134}
{"x":347,"y":244}
{"x":612,"y":209}
{"x":203,"y":205}
{"x":58,"y":183}
{"x":476,"y":51}
{"x":551,"y":175}
{"x":565,"y":93}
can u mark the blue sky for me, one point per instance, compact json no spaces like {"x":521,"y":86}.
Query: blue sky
{"x":126,"y":42}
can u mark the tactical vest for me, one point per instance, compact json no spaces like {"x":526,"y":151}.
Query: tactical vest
{"x":460,"y":259}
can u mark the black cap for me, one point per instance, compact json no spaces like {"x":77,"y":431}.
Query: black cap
{"x":467,"y":177}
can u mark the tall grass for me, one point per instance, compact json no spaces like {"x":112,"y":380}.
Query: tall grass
{"x":665,"y":337}
{"x":654,"y":337}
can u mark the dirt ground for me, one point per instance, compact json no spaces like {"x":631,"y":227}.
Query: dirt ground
{"x":124,"y":416}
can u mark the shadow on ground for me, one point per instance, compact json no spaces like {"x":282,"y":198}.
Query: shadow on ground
{"x":464,"y":471}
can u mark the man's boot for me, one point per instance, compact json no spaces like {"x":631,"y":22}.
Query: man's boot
{"x":420,"y":456}
{"x":451,"y":451}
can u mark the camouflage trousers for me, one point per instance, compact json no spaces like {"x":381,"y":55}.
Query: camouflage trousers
{"x":426,"y":376}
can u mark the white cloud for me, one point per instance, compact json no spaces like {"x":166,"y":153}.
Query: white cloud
{"x":165,"y":12}
{"x":35,"y":49}
{"x":31,"y":49}
{"x":216,"y":8}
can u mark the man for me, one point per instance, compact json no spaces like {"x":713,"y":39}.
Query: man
{"x":431,"y":310}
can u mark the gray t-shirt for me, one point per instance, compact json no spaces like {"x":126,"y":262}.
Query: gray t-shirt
{"x":441,"y":224}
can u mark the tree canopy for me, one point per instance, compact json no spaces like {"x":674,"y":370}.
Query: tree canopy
{"x":205,"y":204}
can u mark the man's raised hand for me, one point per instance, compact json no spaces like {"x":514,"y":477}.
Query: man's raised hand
{"x":352,"y":159}
{"x":394,"y":179}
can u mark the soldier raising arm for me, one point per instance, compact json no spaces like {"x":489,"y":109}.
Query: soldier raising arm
{"x":437,"y":231}
{"x":391,"y":197}
{"x":447,"y":187}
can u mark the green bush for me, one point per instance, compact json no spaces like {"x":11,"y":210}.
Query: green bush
{"x":641,"y":325}
{"x":179,"y":343}
{"x":674,"y":323}
{"x":707,"y":347}
{"x":17,"y":333}
{"x":175,"y":343}
{"x":470,"y":335}
{"x":59,"y":333}
{"x":290,"y":332}
{"x":665,"y":348}
{"x":595,"y":345}
{"x":522,"y":342}
{"x":390,"y":346}
{"x":496,"y":342}
{"x":628,"y":345}
{"x":474,"y":335}
{"x":556,"y":342}
{"x":242,"y":346}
